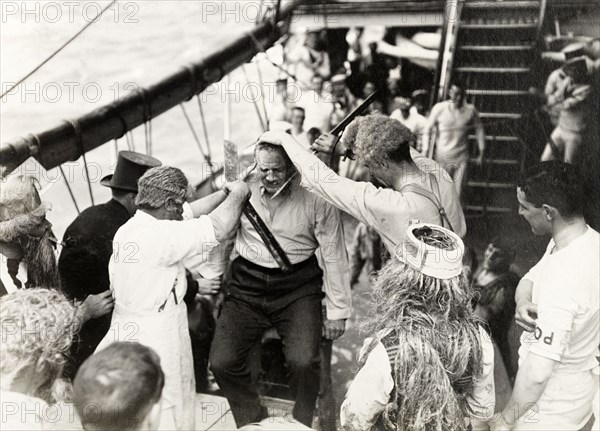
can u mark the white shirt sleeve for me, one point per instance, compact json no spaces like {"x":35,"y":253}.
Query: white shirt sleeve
{"x":329,"y":233}
{"x":182,"y":239}
{"x":482,"y":400}
{"x":369,"y":393}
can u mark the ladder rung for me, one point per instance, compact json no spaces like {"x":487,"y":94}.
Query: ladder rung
{"x":481,"y":92}
{"x":500,"y":115}
{"x":502,"y":4}
{"x":498,"y":26}
{"x":496,"y":47}
{"x":503,"y":162}
{"x":488,"y":209}
{"x":490,"y":185}
{"x":497,"y":138}
{"x":493,"y":69}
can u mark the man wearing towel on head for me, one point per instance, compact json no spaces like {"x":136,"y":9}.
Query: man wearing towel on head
{"x":416,"y":188}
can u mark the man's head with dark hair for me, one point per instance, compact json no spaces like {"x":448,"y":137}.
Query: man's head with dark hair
{"x":119,"y":388}
{"x":297,"y":117}
{"x":456,"y":92}
{"x":548,"y":192}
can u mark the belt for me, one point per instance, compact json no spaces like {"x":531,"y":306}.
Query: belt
{"x":311,"y":261}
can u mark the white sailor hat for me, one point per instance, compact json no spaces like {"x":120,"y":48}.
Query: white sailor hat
{"x":433,"y":250}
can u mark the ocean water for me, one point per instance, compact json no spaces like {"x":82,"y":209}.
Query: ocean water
{"x":135,"y":43}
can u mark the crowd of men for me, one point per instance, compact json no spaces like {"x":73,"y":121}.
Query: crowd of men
{"x":106,"y":325}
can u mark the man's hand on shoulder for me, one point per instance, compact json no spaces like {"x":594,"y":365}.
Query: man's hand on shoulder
{"x":333,"y":329}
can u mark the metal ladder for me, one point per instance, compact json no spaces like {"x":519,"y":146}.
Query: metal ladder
{"x":493,"y":50}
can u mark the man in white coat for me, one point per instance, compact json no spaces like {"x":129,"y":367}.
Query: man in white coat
{"x":148,"y":279}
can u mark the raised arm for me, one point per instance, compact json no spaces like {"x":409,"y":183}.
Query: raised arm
{"x":225,"y":217}
{"x":208,"y":203}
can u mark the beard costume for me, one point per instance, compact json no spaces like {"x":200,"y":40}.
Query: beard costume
{"x":428,"y":365}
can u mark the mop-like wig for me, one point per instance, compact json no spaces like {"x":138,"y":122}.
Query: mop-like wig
{"x":429,"y":324}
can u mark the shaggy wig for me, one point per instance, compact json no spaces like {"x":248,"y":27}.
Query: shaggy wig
{"x":377,"y":137}
{"x":432,"y":327}
{"x":37,"y":328}
{"x":21,"y":209}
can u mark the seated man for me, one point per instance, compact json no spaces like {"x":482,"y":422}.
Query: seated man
{"x":261,"y":295}
{"x":119,"y":388}
{"x":428,"y":365}
{"x":37,"y":327}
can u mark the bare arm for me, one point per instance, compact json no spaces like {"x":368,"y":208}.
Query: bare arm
{"x":531,"y":381}
{"x":526,"y":311}
{"x":226,"y":216}
{"x":208,"y":203}
{"x":480,"y":134}
{"x":428,"y":129}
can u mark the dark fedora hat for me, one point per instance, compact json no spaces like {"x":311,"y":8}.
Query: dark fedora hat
{"x":130,"y":167}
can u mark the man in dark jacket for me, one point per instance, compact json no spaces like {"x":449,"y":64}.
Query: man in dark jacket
{"x":83,"y":262}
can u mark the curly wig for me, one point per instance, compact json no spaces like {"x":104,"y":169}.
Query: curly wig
{"x":375,"y":138}
{"x":37,"y":327}
{"x":161,"y":183}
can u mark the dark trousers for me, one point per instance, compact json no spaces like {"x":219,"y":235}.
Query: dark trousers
{"x":259,"y":299}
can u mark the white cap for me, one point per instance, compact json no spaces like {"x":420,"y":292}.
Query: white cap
{"x":443,"y":260}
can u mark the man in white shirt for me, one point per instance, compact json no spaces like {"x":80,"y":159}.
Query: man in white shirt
{"x":298,"y":132}
{"x":558,"y":305}
{"x":148,"y":279}
{"x":415,"y":122}
{"x":416,"y":188}
{"x":454,"y":118}
{"x":260,"y":295}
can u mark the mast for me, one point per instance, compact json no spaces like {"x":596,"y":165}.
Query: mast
{"x":73,"y":138}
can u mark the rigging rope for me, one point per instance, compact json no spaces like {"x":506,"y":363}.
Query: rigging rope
{"x":189,"y":122}
{"x":129,"y":139}
{"x":262,"y":94}
{"x":204,"y":128}
{"x":75,"y":125}
{"x":254,"y":102}
{"x":208,"y":156}
{"x":147,"y":121}
{"x":69,"y":188}
{"x":64,"y":45}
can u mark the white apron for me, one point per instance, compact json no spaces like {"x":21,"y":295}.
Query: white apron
{"x":167,"y":333}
